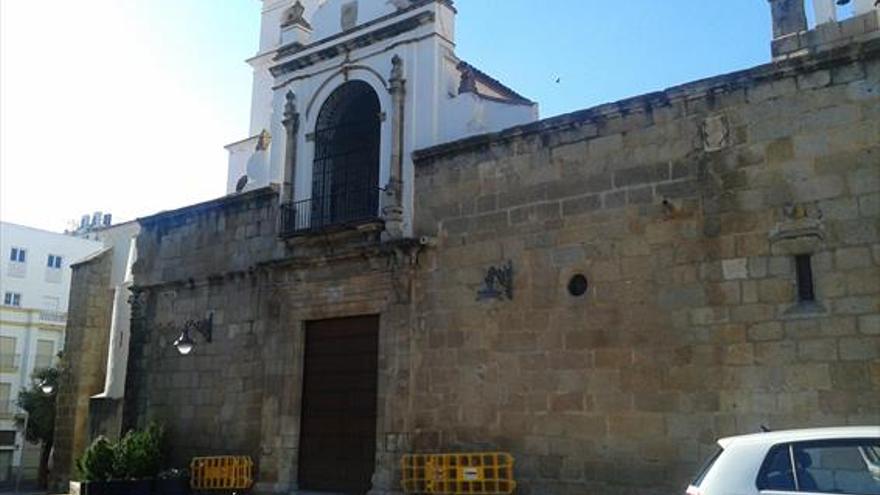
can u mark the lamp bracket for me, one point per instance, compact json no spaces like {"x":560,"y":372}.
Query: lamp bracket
{"x":204,"y":326}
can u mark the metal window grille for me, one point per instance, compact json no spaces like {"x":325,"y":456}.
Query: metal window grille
{"x":804,"y":268}
{"x":346,"y":167}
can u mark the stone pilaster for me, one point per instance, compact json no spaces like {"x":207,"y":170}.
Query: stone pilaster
{"x":291,"y":126}
{"x":392,"y":210}
{"x":789,"y":17}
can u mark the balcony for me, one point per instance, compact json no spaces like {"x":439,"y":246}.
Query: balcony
{"x":43,"y":361}
{"x":8,"y":409}
{"x":53,"y":316}
{"x":336,"y":211}
{"x":9,"y":363}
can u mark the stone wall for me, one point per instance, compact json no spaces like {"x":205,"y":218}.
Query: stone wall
{"x":240,"y":393}
{"x":684,"y":209}
{"x":84,"y":364}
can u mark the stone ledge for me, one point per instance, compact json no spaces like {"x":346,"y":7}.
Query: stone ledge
{"x":231,"y":201}
{"x":704,"y":88}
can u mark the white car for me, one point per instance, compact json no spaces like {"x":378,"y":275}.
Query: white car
{"x":819,"y":461}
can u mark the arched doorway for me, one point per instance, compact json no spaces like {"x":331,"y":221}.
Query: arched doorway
{"x":345,"y":179}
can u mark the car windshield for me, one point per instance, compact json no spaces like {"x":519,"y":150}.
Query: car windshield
{"x":706,"y":467}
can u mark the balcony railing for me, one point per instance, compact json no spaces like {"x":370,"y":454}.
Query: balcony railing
{"x":327,"y":212}
{"x":10,"y":362}
{"x":8,"y":408}
{"x":42,"y":361}
{"x":53,"y":316}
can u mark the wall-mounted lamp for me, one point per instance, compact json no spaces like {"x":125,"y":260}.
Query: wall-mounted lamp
{"x":185,"y":342}
{"x":497,"y":284}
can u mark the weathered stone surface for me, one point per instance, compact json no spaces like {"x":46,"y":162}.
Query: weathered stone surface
{"x":685,"y":333}
{"x":86,"y":345}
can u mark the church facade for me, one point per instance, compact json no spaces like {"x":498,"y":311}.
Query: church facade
{"x":408,"y":261}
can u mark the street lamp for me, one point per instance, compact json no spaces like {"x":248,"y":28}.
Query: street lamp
{"x":47,"y":387}
{"x":185,"y":343}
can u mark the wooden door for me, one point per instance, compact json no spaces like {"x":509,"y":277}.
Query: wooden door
{"x":338,"y":423}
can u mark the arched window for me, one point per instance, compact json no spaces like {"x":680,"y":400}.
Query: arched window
{"x":345,"y":179}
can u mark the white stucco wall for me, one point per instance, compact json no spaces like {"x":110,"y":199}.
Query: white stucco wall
{"x":34,"y":279}
{"x":44,"y":300}
{"x":434,"y":111}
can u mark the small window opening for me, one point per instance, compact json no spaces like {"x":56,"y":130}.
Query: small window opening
{"x":804,"y":268}
{"x":54,"y":261}
{"x":18,"y":255}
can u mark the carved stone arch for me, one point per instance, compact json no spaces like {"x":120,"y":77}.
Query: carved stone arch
{"x":373,"y":78}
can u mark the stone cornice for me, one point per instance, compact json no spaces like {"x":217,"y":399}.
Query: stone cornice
{"x":366,"y":39}
{"x":704,"y":88}
{"x":263,"y":194}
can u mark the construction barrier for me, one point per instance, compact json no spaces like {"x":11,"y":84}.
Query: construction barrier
{"x":221,"y":473}
{"x":458,"y":474}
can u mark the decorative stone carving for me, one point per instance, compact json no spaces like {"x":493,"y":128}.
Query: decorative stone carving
{"x":294,"y":17}
{"x":396,"y":69}
{"x":716,"y":133}
{"x":401,"y":4}
{"x":349,"y":15}
{"x":468,"y":82}
{"x":264,"y":140}
{"x":800,"y":232}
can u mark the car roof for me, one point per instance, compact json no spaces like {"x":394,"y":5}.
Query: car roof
{"x":774,"y":437}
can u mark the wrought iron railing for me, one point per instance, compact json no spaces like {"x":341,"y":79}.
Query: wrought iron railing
{"x":8,"y":408}
{"x":330,"y":211}
{"x":43,"y":361}
{"x":53,"y":316}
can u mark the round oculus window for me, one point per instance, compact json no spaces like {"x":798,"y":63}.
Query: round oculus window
{"x":578,"y":285}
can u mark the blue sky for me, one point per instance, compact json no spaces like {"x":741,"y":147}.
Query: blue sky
{"x":607,"y":50}
{"x":125,"y":105}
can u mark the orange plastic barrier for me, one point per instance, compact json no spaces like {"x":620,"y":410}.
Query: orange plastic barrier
{"x":458,"y":474}
{"x":221,"y":473}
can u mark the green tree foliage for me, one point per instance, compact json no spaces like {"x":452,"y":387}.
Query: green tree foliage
{"x":139,"y":453}
{"x":137,"y":456}
{"x":41,"y":415}
{"x":97,"y":463}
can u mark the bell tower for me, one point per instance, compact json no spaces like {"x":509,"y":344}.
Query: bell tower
{"x":344,"y":92}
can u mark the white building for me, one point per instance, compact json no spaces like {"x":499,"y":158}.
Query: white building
{"x":34,"y":284}
{"x":385,"y":67}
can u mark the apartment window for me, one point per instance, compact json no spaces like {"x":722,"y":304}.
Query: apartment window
{"x":45,"y":354}
{"x":12,"y":299}
{"x":18,"y":255}
{"x":7,"y":439}
{"x":7,"y":406}
{"x":8,"y":358}
{"x":54,"y":261}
